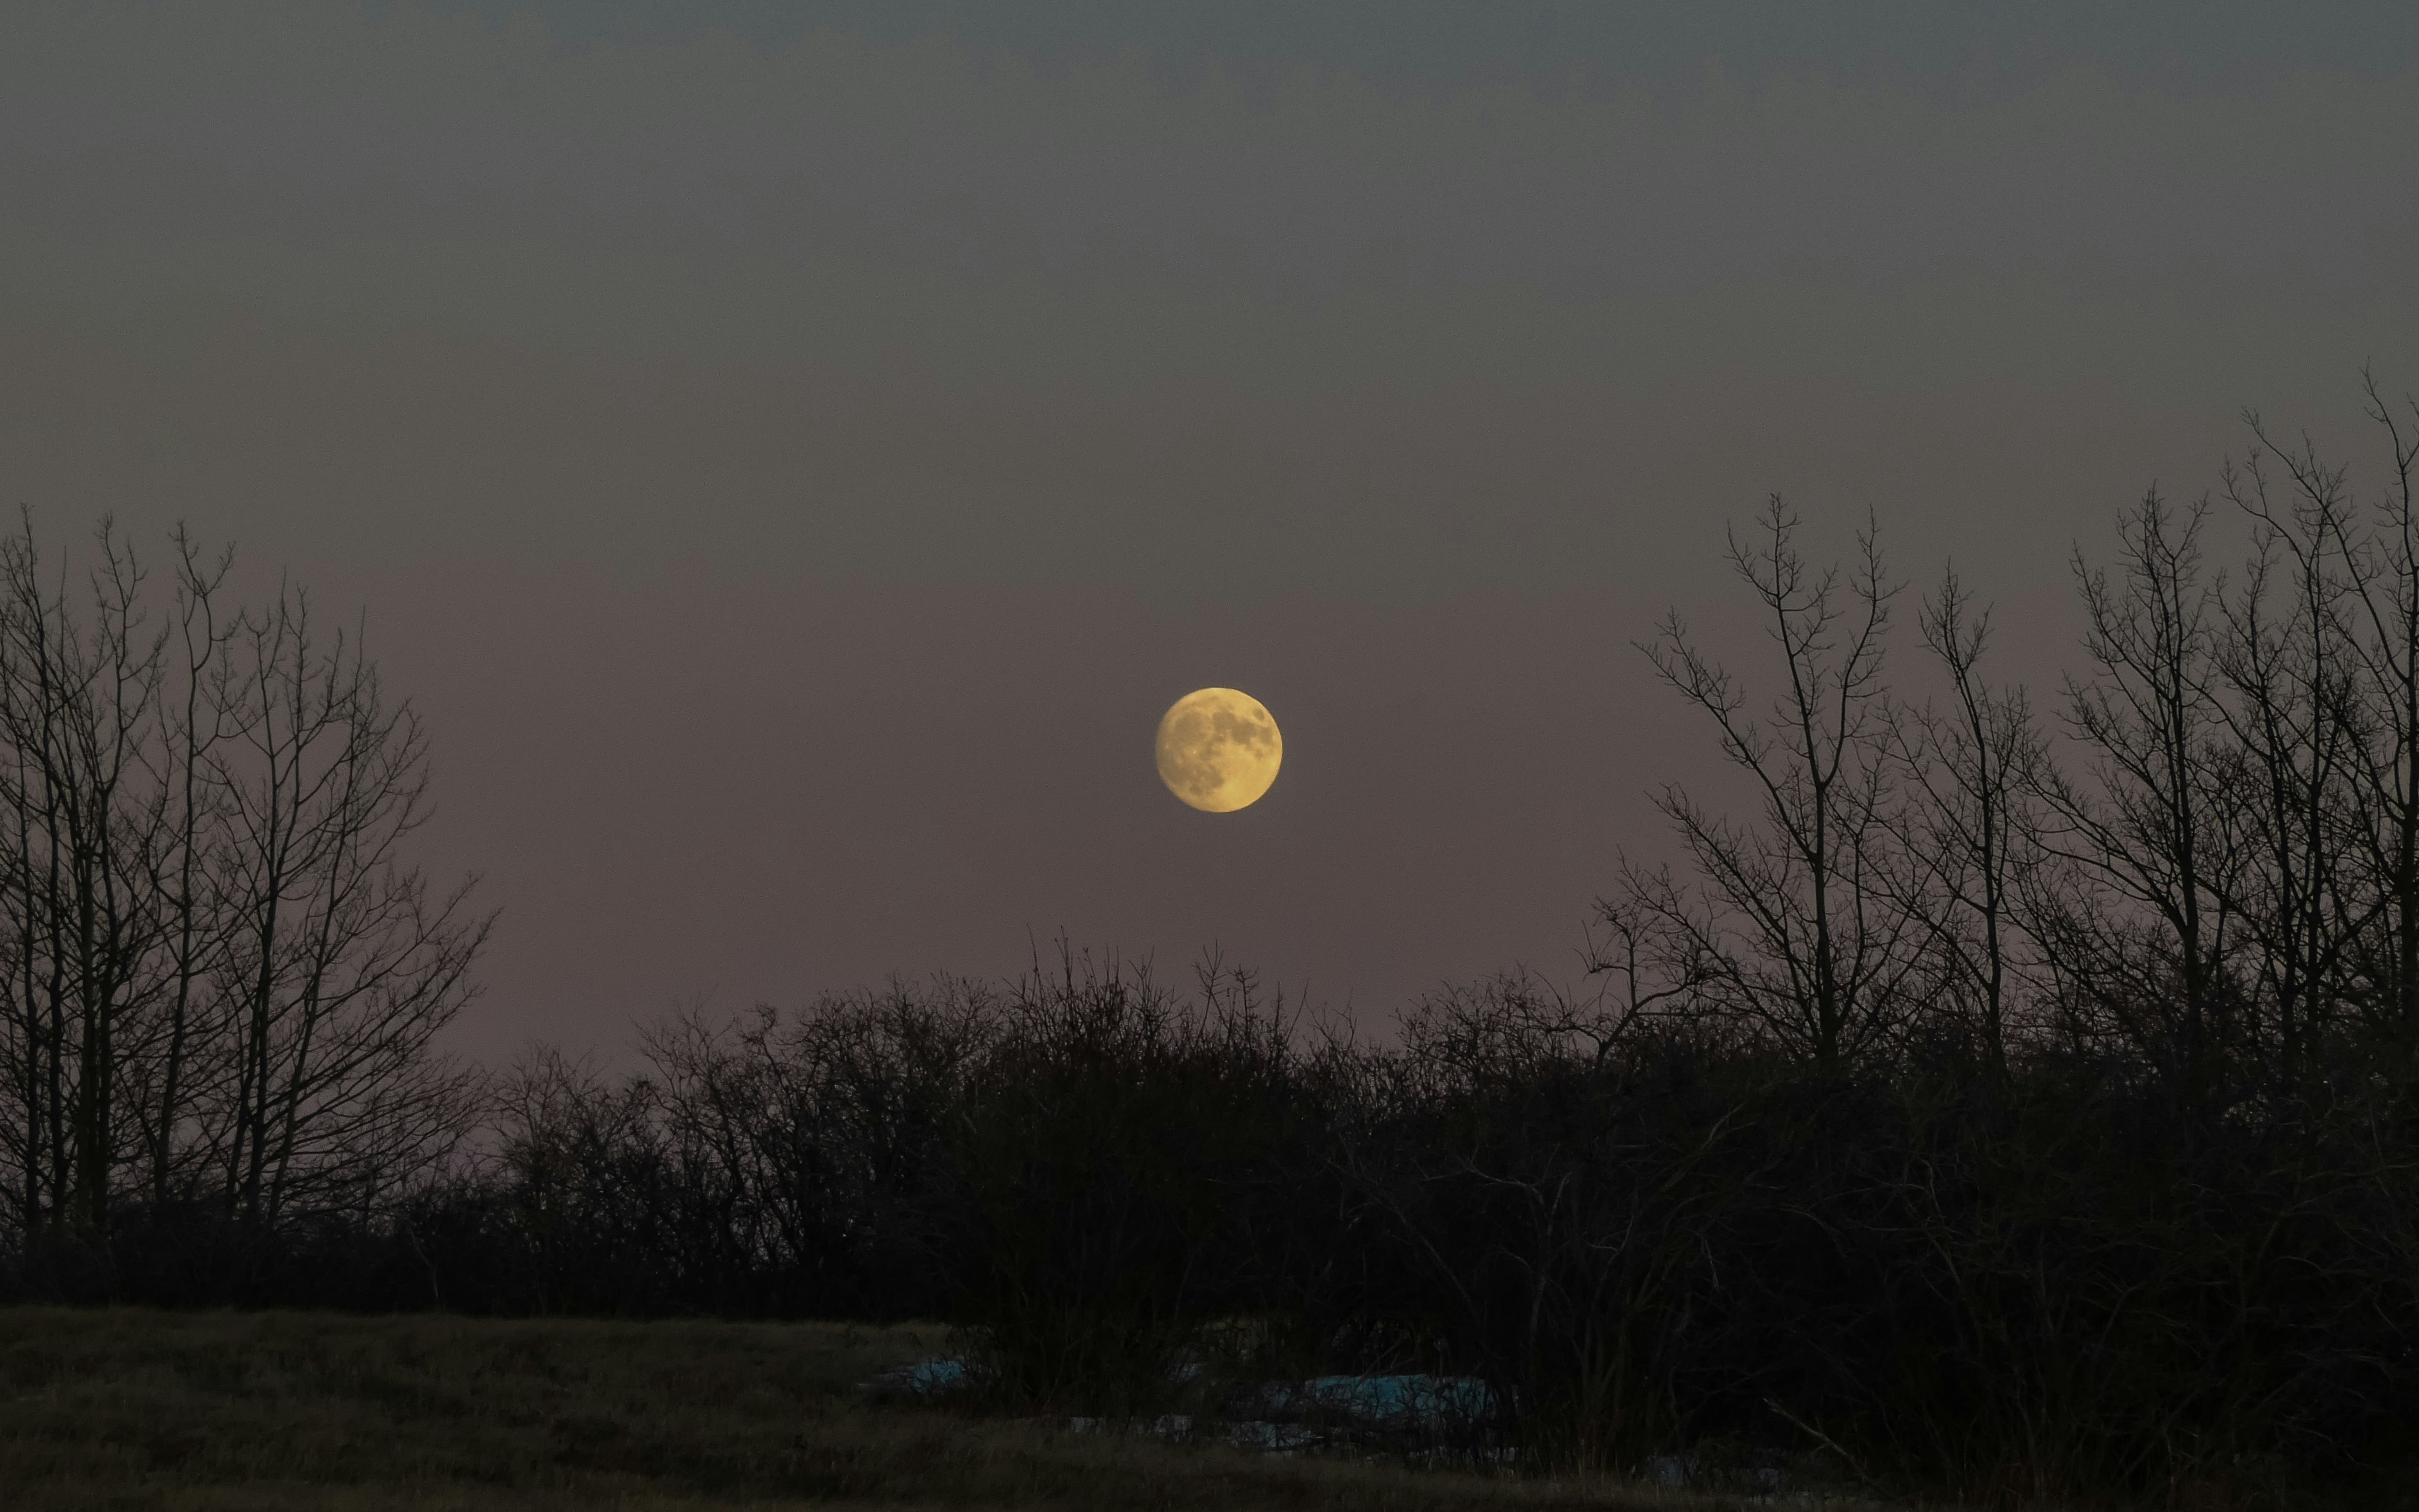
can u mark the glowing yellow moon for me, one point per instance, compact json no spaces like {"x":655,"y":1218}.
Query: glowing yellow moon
{"x":1219,"y":750}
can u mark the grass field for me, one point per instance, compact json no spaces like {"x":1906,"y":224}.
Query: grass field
{"x":133,"y":1409}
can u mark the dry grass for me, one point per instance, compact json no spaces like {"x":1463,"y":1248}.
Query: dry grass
{"x":133,"y":1409}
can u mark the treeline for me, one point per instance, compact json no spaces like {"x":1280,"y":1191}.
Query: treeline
{"x":2015,"y":1102}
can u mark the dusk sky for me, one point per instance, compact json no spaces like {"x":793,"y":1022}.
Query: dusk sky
{"x":793,"y":454}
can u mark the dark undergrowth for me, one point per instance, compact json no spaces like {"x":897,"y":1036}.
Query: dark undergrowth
{"x":140,"y":1411}
{"x":2049,"y":1283}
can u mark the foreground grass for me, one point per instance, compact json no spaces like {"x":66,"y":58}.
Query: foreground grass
{"x":133,"y":1409}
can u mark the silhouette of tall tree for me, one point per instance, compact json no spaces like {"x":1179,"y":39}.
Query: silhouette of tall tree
{"x":1789,"y":927}
{"x":222,"y":971}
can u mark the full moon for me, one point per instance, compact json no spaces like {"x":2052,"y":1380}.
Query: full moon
{"x":1219,"y":750}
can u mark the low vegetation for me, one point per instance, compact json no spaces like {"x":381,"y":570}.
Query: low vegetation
{"x":128,"y":1409}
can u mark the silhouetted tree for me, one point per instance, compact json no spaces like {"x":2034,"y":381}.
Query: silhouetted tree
{"x":2358,"y":572}
{"x":2151,"y":830}
{"x":1789,"y":925}
{"x":1966,"y":825}
{"x":224,"y":972}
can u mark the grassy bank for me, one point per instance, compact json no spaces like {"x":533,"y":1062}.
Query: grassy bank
{"x":127,"y":1408}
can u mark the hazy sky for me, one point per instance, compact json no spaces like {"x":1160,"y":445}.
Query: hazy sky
{"x":795,"y":453}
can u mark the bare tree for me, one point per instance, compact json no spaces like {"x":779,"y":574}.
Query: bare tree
{"x":1789,"y":926}
{"x":77,"y":687}
{"x":2288,"y":665}
{"x":194,"y":721}
{"x":2371,"y":595}
{"x":223,"y":974}
{"x":1965,"y":826}
{"x":2143,"y":936}
{"x":340,"y":964}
